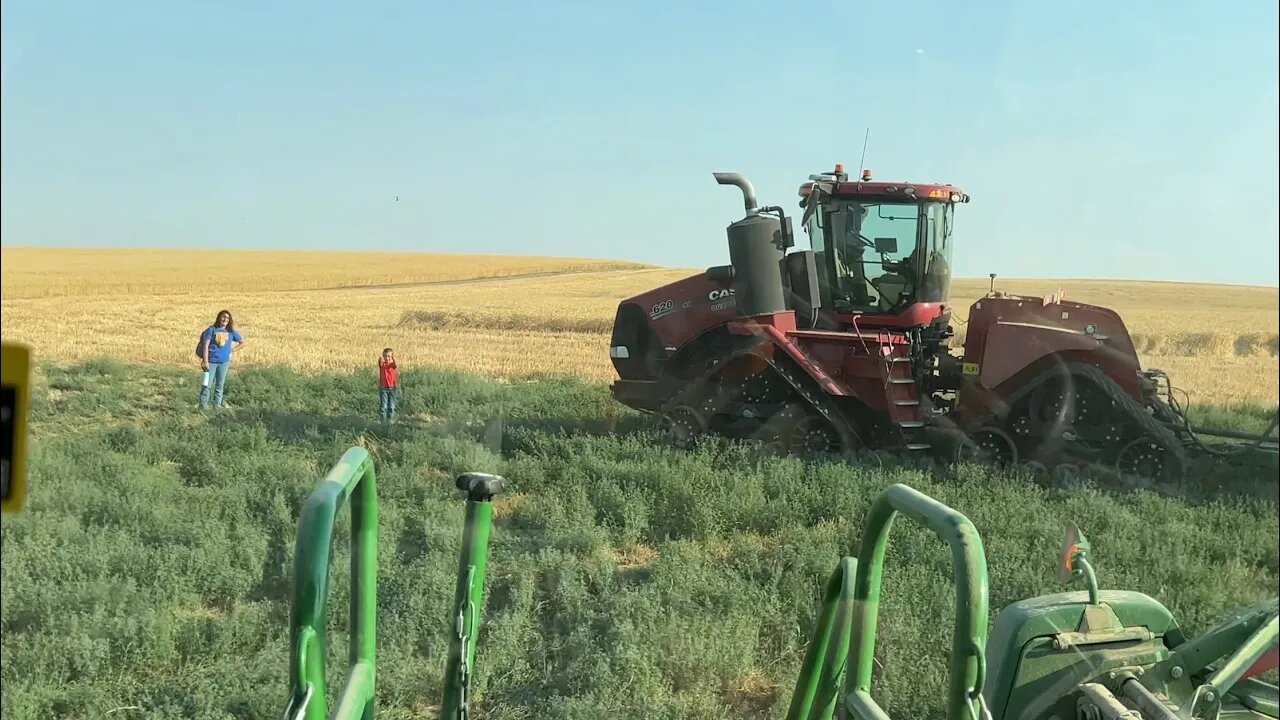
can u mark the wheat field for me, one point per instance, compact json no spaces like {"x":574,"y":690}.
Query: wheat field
{"x":48,"y":273}
{"x":509,"y":316}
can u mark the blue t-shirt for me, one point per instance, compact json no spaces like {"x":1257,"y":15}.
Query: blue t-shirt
{"x":220,"y":340}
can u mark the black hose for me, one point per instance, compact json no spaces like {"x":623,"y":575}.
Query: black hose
{"x":1180,"y":414}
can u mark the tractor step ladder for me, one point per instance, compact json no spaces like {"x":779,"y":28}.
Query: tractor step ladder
{"x":903,"y":397}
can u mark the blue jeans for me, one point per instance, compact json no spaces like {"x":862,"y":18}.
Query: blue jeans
{"x":387,"y":403}
{"x":217,"y":379}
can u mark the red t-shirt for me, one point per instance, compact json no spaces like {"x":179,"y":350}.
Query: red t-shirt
{"x":387,"y":374}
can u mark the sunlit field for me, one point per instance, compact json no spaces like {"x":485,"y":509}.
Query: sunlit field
{"x":508,"y":316}
{"x":45,"y":272}
{"x":150,"y":576}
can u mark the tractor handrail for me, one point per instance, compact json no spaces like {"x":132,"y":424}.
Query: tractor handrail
{"x":967,"y":665}
{"x":817,"y":691}
{"x":352,"y":477}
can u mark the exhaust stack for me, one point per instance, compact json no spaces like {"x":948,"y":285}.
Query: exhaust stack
{"x":748,"y":191}
{"x":756,"y":248}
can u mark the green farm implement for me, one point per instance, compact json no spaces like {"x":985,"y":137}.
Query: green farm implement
{"x":1089,"y":654}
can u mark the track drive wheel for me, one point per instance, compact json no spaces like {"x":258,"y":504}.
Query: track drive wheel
{"x":685,"y":425}
{"x":1050,"y":407}
{"x":990,"y":445}
{"x":1146,"y":457}
{"x":765,"y":386}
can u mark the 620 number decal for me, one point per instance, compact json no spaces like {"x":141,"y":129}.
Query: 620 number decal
{"x":662,"y":308}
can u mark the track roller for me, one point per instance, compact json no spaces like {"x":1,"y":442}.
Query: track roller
{"x":1037,"y":469}
{"x":813,"y":435}
{"x":988,"y":444}
{"x":1148,"y":458}
{"x":685,"y":425}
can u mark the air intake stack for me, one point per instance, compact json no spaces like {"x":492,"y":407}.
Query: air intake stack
{"x":757,"y":245}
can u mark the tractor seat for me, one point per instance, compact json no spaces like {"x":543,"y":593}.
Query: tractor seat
{"x":891,"y":287}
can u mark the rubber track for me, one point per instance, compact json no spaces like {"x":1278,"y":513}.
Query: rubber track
{"x":809,"y":390}
{"x":1146,"y":423}
{"x":800,"y":382}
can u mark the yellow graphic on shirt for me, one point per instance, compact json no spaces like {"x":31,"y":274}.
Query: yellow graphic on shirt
{"x":220,"y":338}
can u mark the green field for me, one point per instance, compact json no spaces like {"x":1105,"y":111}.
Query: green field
{"x":150,"y":574}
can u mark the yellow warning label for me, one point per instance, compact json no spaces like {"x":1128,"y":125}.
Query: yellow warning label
{"x":14,"y":394}
{"x":969,"y":368}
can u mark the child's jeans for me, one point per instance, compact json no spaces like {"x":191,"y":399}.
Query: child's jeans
{"x":217,"y":379}
{"x":387,"y":403}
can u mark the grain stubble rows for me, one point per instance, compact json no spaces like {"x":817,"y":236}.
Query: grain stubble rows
{"x":511,"y":316}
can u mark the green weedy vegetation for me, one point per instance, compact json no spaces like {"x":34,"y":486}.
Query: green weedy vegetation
{"x":150,"y":574}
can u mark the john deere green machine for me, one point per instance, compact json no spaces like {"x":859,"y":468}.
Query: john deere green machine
{"x":1088,"y":654}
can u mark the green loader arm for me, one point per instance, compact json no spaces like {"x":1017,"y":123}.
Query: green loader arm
{"x":1098,"y":655}
{"x":353,"y":477}
{"x":818,"y":688}
{"x":968,"y":661}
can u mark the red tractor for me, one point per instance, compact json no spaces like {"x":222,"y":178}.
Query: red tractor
{"x":844,"y":346}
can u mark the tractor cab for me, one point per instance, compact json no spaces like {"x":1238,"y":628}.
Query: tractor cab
{"x":880,"y":247}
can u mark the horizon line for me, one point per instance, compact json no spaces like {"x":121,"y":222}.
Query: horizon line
{"x":638,"y":264}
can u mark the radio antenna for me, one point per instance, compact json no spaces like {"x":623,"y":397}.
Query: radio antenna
{"x":862,"y":161}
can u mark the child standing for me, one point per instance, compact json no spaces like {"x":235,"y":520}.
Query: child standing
{"x":388,"y":385}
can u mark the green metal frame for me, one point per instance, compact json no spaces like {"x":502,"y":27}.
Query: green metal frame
{"x":352,"y":477}
{"x":836,"y":676}
{"x":968,"y":662}
{"x":817,"y":689}
{"x":468,"y":596}
{"x":1242,"y":638}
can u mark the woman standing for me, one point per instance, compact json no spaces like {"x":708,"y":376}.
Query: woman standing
{"x":215,"y":356}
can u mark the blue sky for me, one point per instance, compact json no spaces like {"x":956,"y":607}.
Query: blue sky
{"x":1098,"y":139}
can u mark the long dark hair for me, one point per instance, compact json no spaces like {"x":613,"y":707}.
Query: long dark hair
{"x":231,"y":321}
